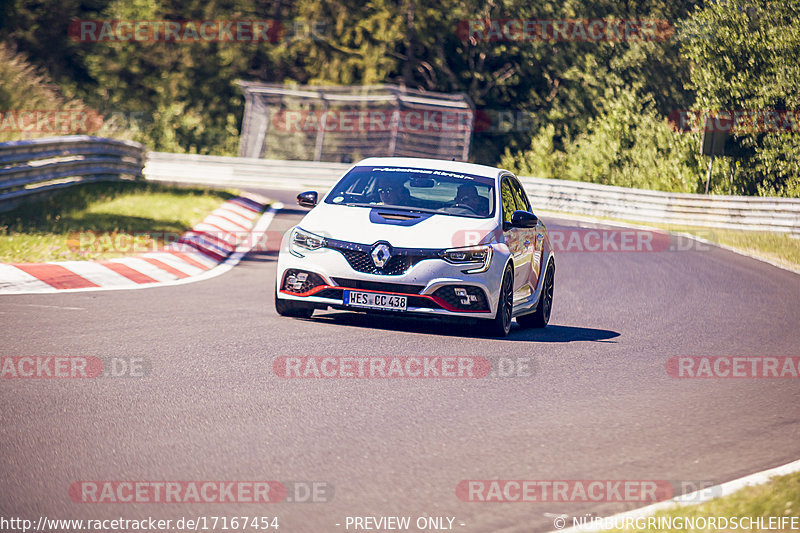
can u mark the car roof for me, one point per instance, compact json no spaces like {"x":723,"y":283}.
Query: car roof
{"x":432,"y":164}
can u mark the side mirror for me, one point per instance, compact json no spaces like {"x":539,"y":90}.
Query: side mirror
{"x":524,"y":219}
{"x":307,"y":199}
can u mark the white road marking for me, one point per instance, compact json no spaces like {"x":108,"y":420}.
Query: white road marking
{"x":702,"y":496}
{"x":64,"y":307}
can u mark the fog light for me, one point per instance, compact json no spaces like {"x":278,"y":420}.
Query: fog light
{"x":295,"y":281}
{"x":299,"y":281}
{"x":466,"y":298}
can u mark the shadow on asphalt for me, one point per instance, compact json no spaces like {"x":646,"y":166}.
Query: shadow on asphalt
{"x":293,"y":211}
{"x":261,"y":256}
{"x":552,"y":333}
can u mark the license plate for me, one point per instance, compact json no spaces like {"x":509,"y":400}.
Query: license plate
{"x":375,"y":300}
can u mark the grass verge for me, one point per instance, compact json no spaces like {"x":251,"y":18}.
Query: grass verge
{"x":778,"y":498}
{"x":103,"y":220}
{"x":780,"y":248}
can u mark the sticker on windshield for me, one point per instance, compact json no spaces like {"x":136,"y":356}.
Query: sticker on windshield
{"x":443,"y":173}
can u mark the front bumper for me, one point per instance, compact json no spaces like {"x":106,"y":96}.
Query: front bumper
{"x":429,"y":285}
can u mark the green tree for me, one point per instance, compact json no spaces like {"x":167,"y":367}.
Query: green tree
{"x":746,"y":56}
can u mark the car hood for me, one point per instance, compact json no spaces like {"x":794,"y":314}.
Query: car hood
{"x":366,"y":225}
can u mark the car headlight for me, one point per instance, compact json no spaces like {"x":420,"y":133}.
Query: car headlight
{"x":303,"y":240}
{"x":480,"y":256}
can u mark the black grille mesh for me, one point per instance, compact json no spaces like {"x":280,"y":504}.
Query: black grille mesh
{"x":362,"y":262}
{"x":360,"y":259}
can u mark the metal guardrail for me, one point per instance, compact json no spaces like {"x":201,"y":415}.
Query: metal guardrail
{"x":733,"y":212}
{"x":39,"y":166}
{"x":753,"y":213}
{"x":242,"y":171}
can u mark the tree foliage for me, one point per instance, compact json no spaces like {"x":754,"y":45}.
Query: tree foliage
{"x":599,"y":108}
{"x":746,"y":56}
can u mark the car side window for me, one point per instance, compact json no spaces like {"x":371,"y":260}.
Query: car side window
{"x":507,"y":197}
{"x":520,"y":198}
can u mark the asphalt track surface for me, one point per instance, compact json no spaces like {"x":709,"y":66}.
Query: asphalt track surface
{"x":598,"y":406}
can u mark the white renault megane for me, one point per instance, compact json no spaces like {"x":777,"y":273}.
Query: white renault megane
{"x":424,"y":237}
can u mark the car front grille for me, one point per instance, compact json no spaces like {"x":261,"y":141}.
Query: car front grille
{"x":362,"y":262}
{"x":360,"y":259}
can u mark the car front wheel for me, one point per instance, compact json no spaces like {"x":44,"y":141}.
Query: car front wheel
{"x":541,"y":316}
{"x":500,"y":325}
{"x":292,"y":309}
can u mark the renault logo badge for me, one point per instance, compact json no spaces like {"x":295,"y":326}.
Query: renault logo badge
{"x":381,"y":254}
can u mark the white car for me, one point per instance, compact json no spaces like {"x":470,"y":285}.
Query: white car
{"x":424,"y":237}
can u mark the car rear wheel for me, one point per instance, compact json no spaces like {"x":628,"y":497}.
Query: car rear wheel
{"x":500,"y":325}
{"x":540,"y":317}
{"x":292,"y":309}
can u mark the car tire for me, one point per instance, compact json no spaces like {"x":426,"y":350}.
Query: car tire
{"x":541,"y":316}
{"x":500,"y":325}
{"x":292,"y":309}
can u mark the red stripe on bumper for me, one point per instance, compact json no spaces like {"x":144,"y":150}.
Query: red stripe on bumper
{"x":441,"y":303}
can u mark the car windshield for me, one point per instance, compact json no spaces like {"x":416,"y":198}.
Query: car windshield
{"x":416,"y":189}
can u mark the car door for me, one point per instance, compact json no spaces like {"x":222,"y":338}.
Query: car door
{"x":515,"y":239}
{"x":533,"y":240}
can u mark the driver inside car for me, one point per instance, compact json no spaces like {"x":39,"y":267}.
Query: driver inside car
{"x":392,"y":193}
{"x":467,"y":195}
